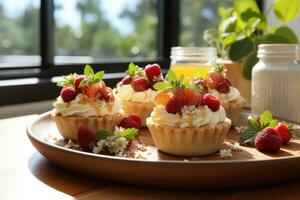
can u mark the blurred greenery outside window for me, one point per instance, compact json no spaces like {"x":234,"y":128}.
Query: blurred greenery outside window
{"x":99,"y":30}
{"x":89,"y":31}
{"x":195,"y":17}
{"x":19,"y":32}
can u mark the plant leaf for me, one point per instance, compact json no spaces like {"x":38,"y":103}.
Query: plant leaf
{"x":171,"y":76}
{"x":265,"y":118}
{"x":276,"y":39}
{"x":273,"y":123}
{"x":210,"y":36}
{"x":67,"y":80}
{"x":129,"y":133}
{"x":228,"y":25}
{"x":240,"y":49}
{"x":287,"y":32}
{"x":252,"y":123}
{"x":286,"y":10}
{"x":98,"y":76}
{"x":102,"y":134}
{"x":88,"y":71}
{"x":247,"y":137}
{"x":241,"y":6}
{"x":162,"y":86}
{"x":248,"y":64}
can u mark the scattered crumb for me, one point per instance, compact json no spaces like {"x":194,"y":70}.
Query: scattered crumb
{"x":235,"y":146}
{"x":186,"y":160}
{"x":240,"y":129}
{"x":51,"y":139}
{"x":225,"y":153}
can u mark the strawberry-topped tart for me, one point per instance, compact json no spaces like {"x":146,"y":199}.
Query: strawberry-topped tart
{"x":218,"y":85}
{"x":136,"y":90}
{"x":85,"y":100}
{"x":187,"y":121}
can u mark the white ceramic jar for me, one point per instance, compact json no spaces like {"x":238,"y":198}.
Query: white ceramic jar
{"x":276,"y":81}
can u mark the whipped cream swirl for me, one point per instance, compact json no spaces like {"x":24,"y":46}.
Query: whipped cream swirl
{"x":191,"y":116}
{"x":232,"y":95}
{"x":127,"y":93}
{"x":83,"y":106}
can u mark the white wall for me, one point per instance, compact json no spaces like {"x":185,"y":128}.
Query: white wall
{"x":272,"y":20}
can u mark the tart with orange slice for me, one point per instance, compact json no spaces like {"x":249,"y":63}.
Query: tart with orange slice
{"x":187,"y":121}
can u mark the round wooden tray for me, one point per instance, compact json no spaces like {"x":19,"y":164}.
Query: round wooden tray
{"x":246,"y":167}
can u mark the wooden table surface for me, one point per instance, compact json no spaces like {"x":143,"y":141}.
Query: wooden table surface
{"x":26,"y":174}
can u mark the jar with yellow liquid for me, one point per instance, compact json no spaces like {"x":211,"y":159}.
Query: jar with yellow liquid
{"x":192,"y":62}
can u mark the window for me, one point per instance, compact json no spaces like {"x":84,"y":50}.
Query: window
{"x":100,"y":30}
{"x":195,"y":17}
{"x":19,"y":32}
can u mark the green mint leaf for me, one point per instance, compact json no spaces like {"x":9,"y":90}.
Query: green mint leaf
{"x":162,"y":86}
{"x":129,"y":133}
{"x":253,"y":124}
{"x":132,"y":68}
{"x":265,"y":118}
{"x":273,"y":123}
{"x":171,"y":77}
{"x":98,"y":76}
{"x":88,"y":71}
{"x":219,"y":68}
{"x":247,"y":137}
{"x":67,"y":80}
{"x":102,"y":134}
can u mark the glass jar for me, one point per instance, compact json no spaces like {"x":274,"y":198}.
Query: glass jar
{"x":276,"y":81}
{"x":192,"y":61}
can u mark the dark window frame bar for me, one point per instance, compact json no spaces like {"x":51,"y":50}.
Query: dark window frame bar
{"x":45,"y":89}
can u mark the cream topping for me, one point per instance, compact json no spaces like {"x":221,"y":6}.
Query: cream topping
{"x":191,"y":117}
{"x":85,"y":107}
{"x":127,"y":93}
{"x":232,"y":95}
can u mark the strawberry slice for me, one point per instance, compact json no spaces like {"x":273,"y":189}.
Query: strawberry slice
{"x":174,"y":105}
{"x":92,"y":90}
{"x":86,"y":138}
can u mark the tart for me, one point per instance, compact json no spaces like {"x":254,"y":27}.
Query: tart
{"x":186,"y":121}
{"x":231,"y":99}
{"x":85,"y":100}
{"x":136,"y":90}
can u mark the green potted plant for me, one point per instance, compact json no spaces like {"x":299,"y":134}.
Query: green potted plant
{"x":242,"y":28}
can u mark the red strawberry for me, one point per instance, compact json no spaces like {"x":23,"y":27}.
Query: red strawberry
{"x":103,"y":94}
{"x":129,"y":144}
{"x":211,"y":101}
{"x":85,"y":138}
{"x":284,"y":132}
{"x":77,"y":82}
{"x":127,"y":122}
{"x":68,"y":94}
{"x":136,"y":118}
{"x":227,"y":81}
{"x":126,"y":80}
{"x":140,"y":84}
{"x":92,"y":90}
{"x":152,"y":71}
{"x":223,"y":87}
{"x":268,"y":140}
{"x":174,"y":105}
